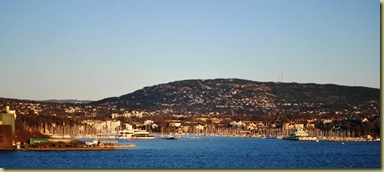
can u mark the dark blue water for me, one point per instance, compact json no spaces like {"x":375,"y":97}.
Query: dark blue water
{"x":207,"y":152}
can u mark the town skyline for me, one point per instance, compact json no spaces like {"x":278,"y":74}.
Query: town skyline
{"x":90,"y":50}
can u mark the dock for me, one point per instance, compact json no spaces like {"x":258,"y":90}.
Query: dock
{"x":98,"y":148}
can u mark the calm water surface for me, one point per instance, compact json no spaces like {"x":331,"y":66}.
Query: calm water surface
{"x":207,"y":152}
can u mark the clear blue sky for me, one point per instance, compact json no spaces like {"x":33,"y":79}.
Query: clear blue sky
{"x":93,"y":49}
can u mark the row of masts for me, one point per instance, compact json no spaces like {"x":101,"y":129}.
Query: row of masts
{"x":82,"y":129}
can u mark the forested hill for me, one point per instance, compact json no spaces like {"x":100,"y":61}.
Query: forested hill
{"x":236,"y":96}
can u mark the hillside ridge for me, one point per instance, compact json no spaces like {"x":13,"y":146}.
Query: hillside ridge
{"x":239,"y":96}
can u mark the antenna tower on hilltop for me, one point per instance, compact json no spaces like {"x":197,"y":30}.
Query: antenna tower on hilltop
{"x":282,"y":74}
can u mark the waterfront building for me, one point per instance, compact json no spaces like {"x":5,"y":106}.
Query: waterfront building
{"x":6,"y":136}
{"x":7,"y":127}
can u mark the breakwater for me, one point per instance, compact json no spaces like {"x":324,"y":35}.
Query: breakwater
{"x":98,"y":148}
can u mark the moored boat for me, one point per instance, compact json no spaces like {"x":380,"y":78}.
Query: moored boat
{"x":142,"y":134}
{"x":135,"y":134}
{"x":300,"y":135}
{"x":125,"y":134}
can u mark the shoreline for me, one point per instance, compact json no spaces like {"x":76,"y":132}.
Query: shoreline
{"x":101,"y":148}
{"x":191,"y":135}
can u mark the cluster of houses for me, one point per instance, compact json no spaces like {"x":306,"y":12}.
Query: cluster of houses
{"x":89,"y":115}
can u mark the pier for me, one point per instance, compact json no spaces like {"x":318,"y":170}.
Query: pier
{"x":98,"y":148}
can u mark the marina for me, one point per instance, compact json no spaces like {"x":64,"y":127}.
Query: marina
{"x":191,"y":84}
{"x":128,"y":135}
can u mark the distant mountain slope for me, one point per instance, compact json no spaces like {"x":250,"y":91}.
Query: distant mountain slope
{"x":238,"y":96}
